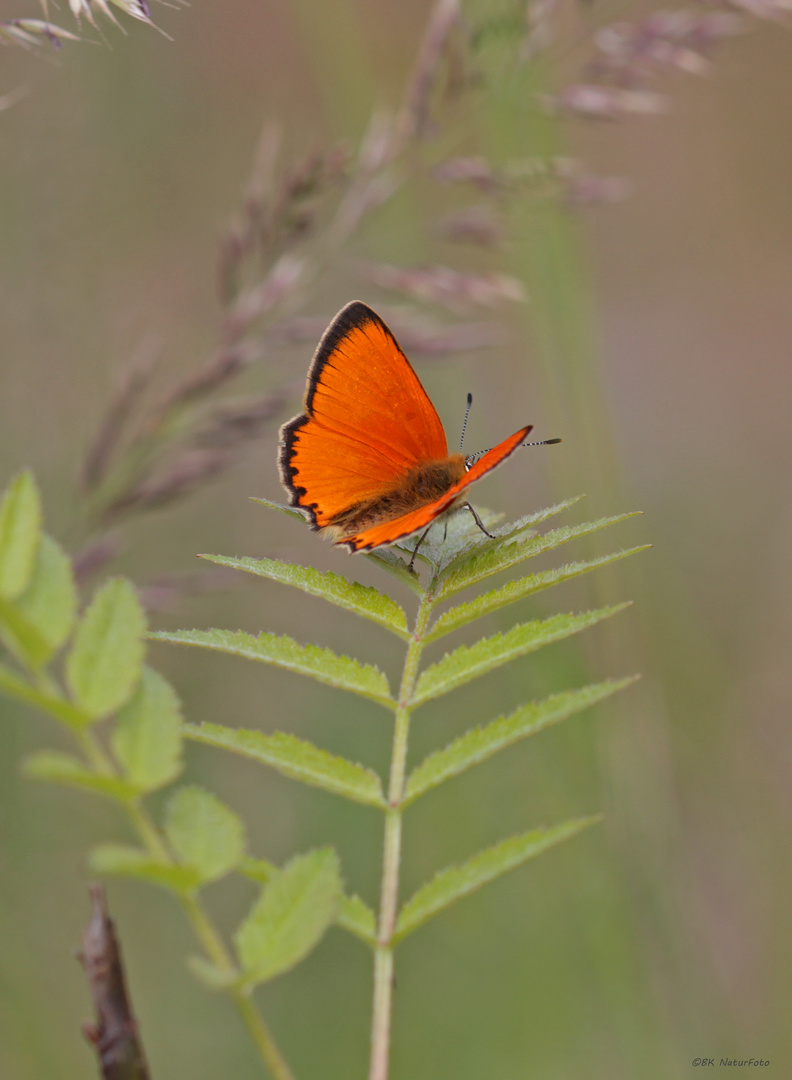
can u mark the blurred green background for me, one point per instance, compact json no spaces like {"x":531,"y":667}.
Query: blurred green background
{"x":656,"y":343}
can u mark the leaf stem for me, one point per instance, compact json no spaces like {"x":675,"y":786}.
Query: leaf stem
{"x":391,"y":859}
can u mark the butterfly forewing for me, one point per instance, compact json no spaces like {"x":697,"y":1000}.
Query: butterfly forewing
{"x":367,"y":420}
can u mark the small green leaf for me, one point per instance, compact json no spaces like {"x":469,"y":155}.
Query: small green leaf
{"x":126,"y":861}
{"x":512,"y":528}
{"x":517,"y":590}
{"x":481,"y":743}
{"x":205,"y":835}
{"x":106,"y":657}
{"x":57,"y":707}
{"x":280,"y":507}
{"x":468,"y":662}
{"x":295,"y":758}
{"x":212,"y":976}
{"x":357,"y":917}
{"x":350,"y":595}
{"x":353,"y":913}
{"x":21,"y":637}
{"x":387,"y":559}
{"x":494,"y":557}
{"x":20,"y":531}
{"x":455,"y":882}
{"x":282,"y":651}
{"x":147,"y":737}
{"x":50,"y":601}
{"x":60,"y":768}
{"x":290,"y":917}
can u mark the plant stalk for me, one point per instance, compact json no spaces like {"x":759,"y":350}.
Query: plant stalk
{"x":391,"y":858}
{"x":203,"y":928}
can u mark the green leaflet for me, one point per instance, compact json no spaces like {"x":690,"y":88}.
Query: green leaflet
{"x":106,"y":657}
{"x":353,"y":913}
{"x":49,"y":603}
{"x":290,"y":917}
{"x":212,"y":976}
{"x":59,"y":768}
{"x":297,"y":759}
{"x":20,"y":530}
{"x":468,"y":662}
{"x":350,"y":595}
{"x":147,"y":736}
{"x":48,"y":702}
{"x":21,"y":637}
{"x":517,"y":590}
{"x":452,"y":541}
{"x":495,"y":557}
{"x":282,"y":651}
{"x":388,"y":559}
{"x":126,"y":861}
{"x":536,"y":518}
{"x":288,"y":510}
{"x":482,"y":742}
{"x":454,"y":882}
{"x":38,"y":622}
{"x":205,"y":835}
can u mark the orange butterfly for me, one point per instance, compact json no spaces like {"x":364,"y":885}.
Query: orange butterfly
{"x":367,"y":459}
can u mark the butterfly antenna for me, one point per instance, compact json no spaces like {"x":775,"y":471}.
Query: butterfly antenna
{"x":464,"y":422}
{"x":471,"y":459}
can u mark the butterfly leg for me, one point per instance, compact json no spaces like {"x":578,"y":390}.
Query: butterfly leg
{"x":477,"y":519}
{"x":421,"y":539}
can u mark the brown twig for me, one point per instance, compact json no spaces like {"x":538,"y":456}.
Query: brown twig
{"x":115,"y":1033}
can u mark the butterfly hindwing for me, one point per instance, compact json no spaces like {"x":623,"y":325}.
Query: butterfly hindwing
{"x":390,"y":531}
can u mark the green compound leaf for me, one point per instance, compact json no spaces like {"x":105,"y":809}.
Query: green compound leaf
{"x":481,"y":743}
{"x":494,"y":557}
{"x":468,"y":662}
{"x":455,"y":882}
{"x":49,"y":603}
{"x":350,"y":595}
{"x":147,"y":736}
{"x":205,"y":835}
{"x":290,"y":917}
{"x":106,"y":657}
{"x":20,"y":531}
{"x":282,"y":651}
{"x":296,"y":758}
{"x":126,"y":861}
{"x":59,"y":768}
{"x":56,"y":707}
{"x":518,"y":590}
{"x":353,"y":913}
